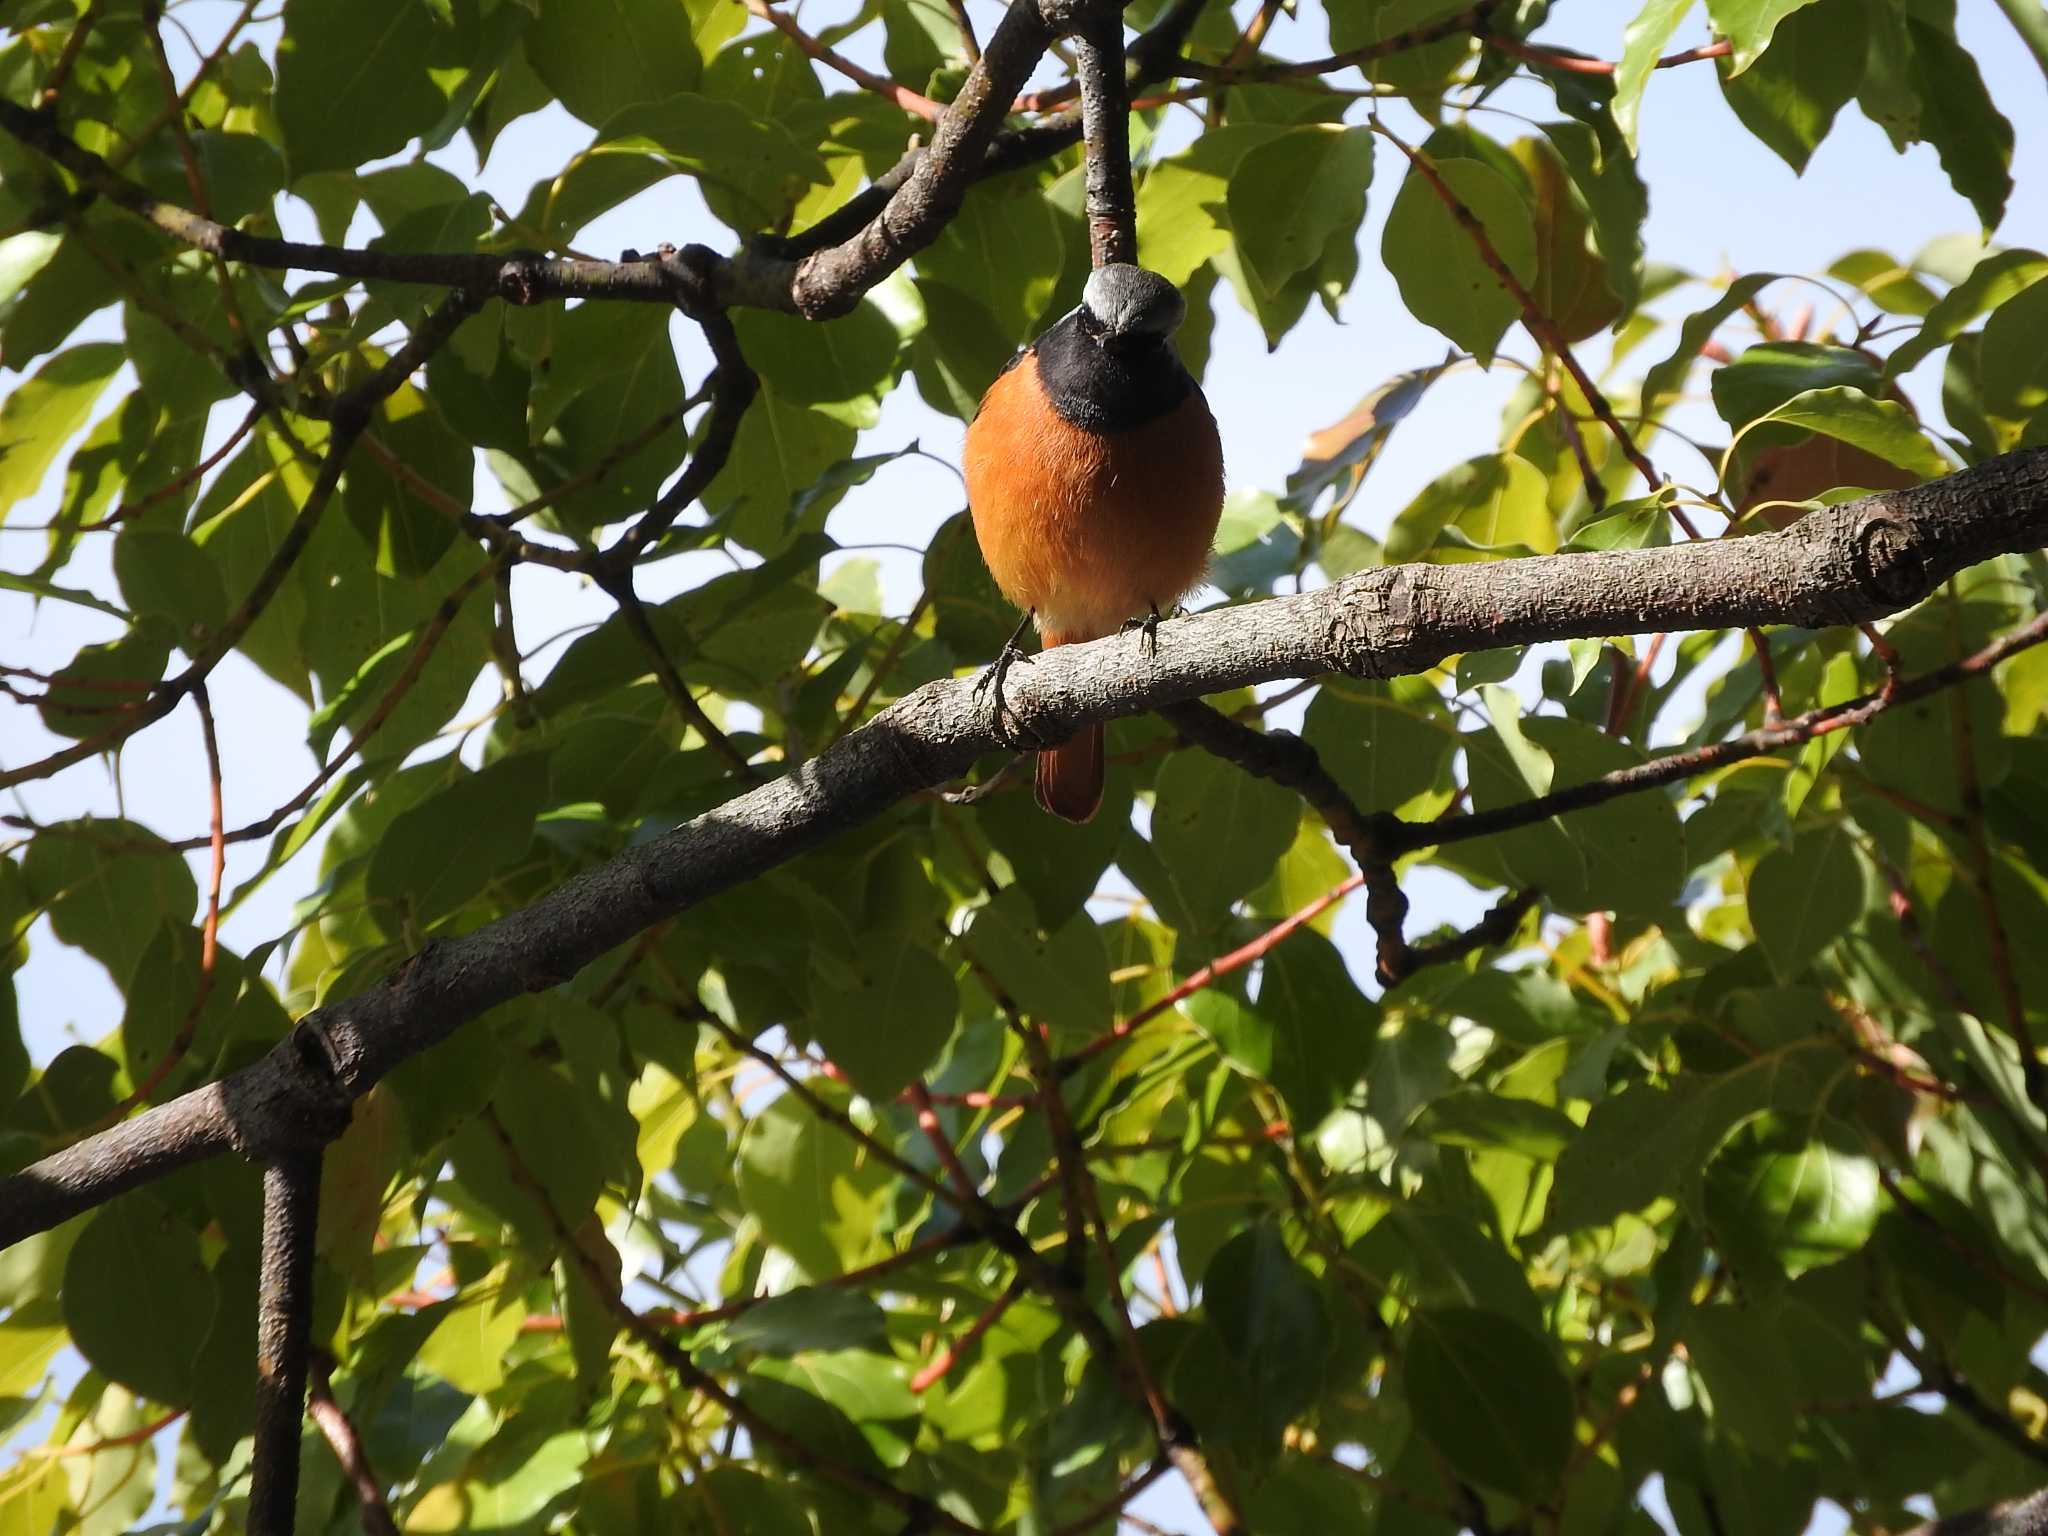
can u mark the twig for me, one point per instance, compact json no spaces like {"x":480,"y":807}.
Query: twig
{"x":284,"y":1322}
{"x":944,"y":1360}
{"x":1472,"y":19}
{"x":348,"y":1450}
{"x":800,"y":1453}
{"x":1983,"y":875}
{"x":619,"y":585}
{"x":60,"y":72}
{"x":1581,"y":64}
{"x":867,"y":80}
{"x":209,"y":931}
{"x":1088,"y":1523}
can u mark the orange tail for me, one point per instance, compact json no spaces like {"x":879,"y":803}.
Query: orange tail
{"x":1069,"y":778}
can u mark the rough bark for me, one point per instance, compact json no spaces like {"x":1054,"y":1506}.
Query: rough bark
{"x":1846,"y":564}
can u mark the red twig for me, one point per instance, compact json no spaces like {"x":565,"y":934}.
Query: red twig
{"x":1214,"y":971}
{"x":1581,"y":64}
{"x":348,"y":1450}
{"x":866,"y":79}
{"x":943,"y":1361}
{"x":209,"y":932}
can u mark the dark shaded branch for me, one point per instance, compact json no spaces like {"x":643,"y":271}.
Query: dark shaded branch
{"x":831,"y":281}
{"x":1839,"y":565}
{"x":733,"y":387}
{"x":1106,"y":127}
{"x":1674,"y":766}
{"x":284,"y":1323}
{"x":2014,"y":1517}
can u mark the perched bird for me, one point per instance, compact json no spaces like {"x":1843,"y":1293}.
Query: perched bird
{"x":1095,"y":478}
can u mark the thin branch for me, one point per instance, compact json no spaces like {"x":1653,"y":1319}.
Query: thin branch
{"x":284,"y":1323}
{"x":799,"y":1453}
{"x":209,"y":931}
{"x":1838,"y":565}
{"x":1471,"y":20}
{"x":347,"y":1445}
{"x":1581,"y":64}
{"x":1983,"y":875}
{"x":619,"y":585}
{"x":1674,"y":766}
{"x":867,"y":80}
{"x":60,"y":72}
{"x":944,"y":1360}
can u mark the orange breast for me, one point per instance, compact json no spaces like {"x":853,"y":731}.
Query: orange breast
{"x":1085,"y":529}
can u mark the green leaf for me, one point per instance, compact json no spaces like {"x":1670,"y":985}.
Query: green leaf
{"x":353,"y":80}
{"x":1785,"y":1196}
{"x":1880,"y":427}
{"x":90,"y":692}
{"x":1493,"y":501}
{"x":438,"y":854}
{"x":1383,"y":752}
{"x":1665,"y":379}
{"x":1060,"y":873}
{"x":753,"y":172}
{"x":1789,"y":96}
{"x":815,"y":1195}
{"x":1749,"y":25}
{"x":1741,"y":1358}
{"x":1767,"y":376}
{"x":1474,"y":1118}
{"x":811,"y":1318}
{"x":136,"y":1235}
{"x":840,"y":368}
{"x":2010,"y":364}
{"x":1060,"y":979}
{"x":601,"y":56}
{"x":473,"y":1333}
{"x":883,"y":1013}
{"x":1642,"y":44}
{"x":608,"y":374}
{"x":1458,"y":1359}
{"x":1647,"y":1142}
{"x":406,"y":533}
{"x":1218,"y":830}
{"x":1293,"y":194}
{"x":1183,"y":200}
{"x":1005,"y":250}
{"x":1971,"y":135}
{"x":1993,"y":281}
{"x":1269,"y":1314}
{"x":40,"y":416}
{"x":94,"y":877}
{"x":1444,"y":280}
{"x":1533,"y":765}
{"x":1803,"y":898}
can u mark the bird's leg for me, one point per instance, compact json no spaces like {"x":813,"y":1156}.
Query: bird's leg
{"x":1148,"y":626}
{"x":992,"y":678}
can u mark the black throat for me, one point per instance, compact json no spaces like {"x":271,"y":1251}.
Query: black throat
{"x":1109,"y":384}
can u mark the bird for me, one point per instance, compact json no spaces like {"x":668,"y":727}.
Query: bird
{"x":1095,"y":482}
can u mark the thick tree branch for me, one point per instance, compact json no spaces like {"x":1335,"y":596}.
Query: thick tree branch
{"x":1839,"y":565}
{"x":284,"y":1324}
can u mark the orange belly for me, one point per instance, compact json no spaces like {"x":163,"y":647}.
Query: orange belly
{"x":1087,"y":530}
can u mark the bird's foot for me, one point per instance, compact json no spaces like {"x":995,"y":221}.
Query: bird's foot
{"x":991,"y":682}
{"x":1148,"y":627}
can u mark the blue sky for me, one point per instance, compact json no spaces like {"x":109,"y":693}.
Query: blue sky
{"x":1719,"y":201}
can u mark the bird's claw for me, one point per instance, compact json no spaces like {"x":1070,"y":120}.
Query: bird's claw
{"x":1148,"y":628}
{"x":991,"y":680}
